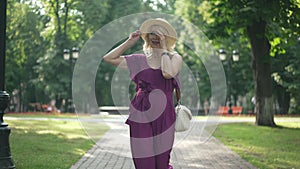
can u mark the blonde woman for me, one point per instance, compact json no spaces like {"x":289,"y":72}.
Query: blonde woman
{"x":156,"y":75}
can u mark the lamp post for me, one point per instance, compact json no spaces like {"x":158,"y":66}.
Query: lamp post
{"x":5,"y":155}
{"x":71,"y":56}
{"x":235,"y":58}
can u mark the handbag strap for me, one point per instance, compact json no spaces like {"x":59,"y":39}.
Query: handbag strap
{"x":178,"y":95}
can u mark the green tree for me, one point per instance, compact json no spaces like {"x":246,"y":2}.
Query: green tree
{"x":70,"y":24}
{"x":240,"y":74}
{"x":286,"y":75}
{"x":167,"y":6}
{"x":117,"y":9}
{"x":59,"y":24}
{"x":254,"y":19}
{"x":24,"y":46}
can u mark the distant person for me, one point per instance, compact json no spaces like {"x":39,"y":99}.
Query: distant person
{"x":253,"y":100}
{"x":206,"y":107}
{"x":51,"y":107}
{"x":155,"y":73}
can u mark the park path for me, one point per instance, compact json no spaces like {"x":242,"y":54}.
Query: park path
{"x":112,"y":151}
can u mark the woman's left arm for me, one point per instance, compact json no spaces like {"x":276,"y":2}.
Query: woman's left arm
{"x":170,"y":64}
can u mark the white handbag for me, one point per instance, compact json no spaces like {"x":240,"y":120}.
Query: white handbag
{"x":183,"y":115}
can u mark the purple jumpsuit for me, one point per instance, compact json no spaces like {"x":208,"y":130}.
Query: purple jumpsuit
{"x":151,"y":114}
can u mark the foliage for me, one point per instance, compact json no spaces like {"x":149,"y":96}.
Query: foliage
{"x":24,"y":46}
{"x":38,"y":32}
{"x":230,"y":19}
{"x":70,"y":29}
{"x":198,"y":13}
{"x":286,"y":74}
{"x":167,"y":6}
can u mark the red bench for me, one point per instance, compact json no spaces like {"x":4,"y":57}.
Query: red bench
{"x":236,"y":110}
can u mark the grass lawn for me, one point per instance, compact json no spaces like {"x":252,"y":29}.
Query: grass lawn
{"x":264,"y":147}
{"x":55,"y":115}
{"x":42,"y":115}
{"x":48,"y":144}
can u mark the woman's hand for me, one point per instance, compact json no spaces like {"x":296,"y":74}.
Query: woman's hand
{"x":162,"y":38}
{"x":134,"y":37}
{"x":114,"y":56}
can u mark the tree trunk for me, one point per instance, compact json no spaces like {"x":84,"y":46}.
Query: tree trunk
{"x":283,"y":98}
{"x":66,"y":19}
{"x":261,"y":68}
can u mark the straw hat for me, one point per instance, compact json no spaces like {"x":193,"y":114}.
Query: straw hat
{"x":171,"y":35}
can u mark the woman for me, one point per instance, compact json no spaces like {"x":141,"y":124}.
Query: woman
{"x":155,"y":73}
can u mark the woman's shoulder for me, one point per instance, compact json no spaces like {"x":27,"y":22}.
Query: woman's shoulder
{"x":175,"y":54}
{"x":135,"y":55}
{"x":135,"y":60}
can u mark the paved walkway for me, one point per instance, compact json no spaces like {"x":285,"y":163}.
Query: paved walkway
{"x":112,"y":151}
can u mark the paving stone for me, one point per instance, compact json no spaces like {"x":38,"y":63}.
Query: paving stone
{"x":112,"y":151}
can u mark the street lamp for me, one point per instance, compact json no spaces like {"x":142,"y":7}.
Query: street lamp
{"x":5,"y":155}
{"x":71,"y":56}
{"x":235,"y":58}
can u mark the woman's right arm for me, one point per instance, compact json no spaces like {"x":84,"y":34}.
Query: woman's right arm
{"x":114,"y":56}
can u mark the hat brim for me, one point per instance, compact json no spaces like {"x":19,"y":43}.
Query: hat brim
{"x":171,"y":32}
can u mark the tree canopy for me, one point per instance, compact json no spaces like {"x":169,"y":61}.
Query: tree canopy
{"x":266,"y":37}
